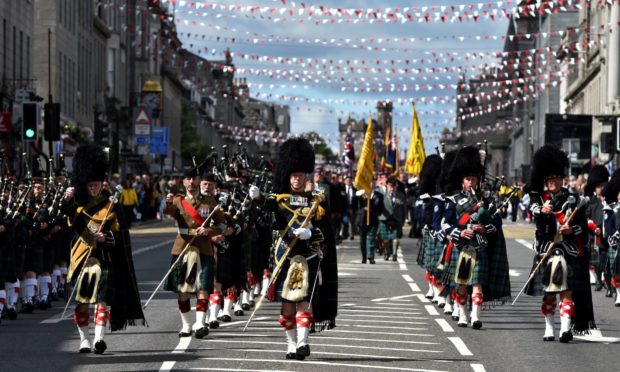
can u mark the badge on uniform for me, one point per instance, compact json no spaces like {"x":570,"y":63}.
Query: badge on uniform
{"x":462,"y":201}
{"x":299,"y":201}
{"x":204,"y":212}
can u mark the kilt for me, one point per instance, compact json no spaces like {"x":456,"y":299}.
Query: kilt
{"x":207,"y":275}
{"x":313,"y":268}
{"x":387,"y":232}
{"x":595,"y":257}
{"x":614,"y":263}
{"x":105,"y":291}
{"x":33,"y":259}
{"x":574,"y":280}
{"x":480,"y":269}
{"x":432,"y":252}
{"x":372,"y":239}
{"x":230,"y":268}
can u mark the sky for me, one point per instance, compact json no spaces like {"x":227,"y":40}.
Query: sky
{"x":213,"y":30}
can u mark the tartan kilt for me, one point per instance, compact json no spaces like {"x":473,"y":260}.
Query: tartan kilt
{"x":595,"y":257}
{"x":447,"y":278}
{"x":387,"y":232}
{"x":372,"y":239}
{"x":207,"y":274}
{"x":104,"y":290}
{"x":614,"y":262}
{"x":480,"y":269}
{"x":432,"y":252}
{"x":574,"y":281}
{"x":498,"y":287}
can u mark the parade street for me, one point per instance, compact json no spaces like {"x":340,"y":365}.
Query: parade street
{"x":384,"y":323}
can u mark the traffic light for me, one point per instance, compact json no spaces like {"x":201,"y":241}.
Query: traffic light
{"x":51,"y":121}
{"x":102,"y":131}
{"x":30,"y":120}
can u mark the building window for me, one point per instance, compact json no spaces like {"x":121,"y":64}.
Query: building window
{"x":21,"y":58}
{"x":110,"y":78}
{"x":4,"y":48}
{"x":28,"y":57}
{"x":14,"y":52}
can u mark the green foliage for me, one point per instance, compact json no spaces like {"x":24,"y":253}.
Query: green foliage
{"x":192,"y":145}
{"x":75,"y":132}
{"x":320,"y":148}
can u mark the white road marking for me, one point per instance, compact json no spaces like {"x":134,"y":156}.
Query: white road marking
{"x":237,"y":369}
{"x":261,"y":351}
{"x":380,"y":333}
{"x":414,"y":287}
{"x":460,"y":346}
{"x":226,"y":335}
{"x":431,"y":310}
{"x":394,"y":307}
{"x":401,"y":261}
{"x":422,"y":298}
{"x":378,"y":311}
{"x":347,"y":305}
{"x":167,"y":366}
{"x":306,"y":362}
{"x":596,"y":335}
{"x":478,"y":367}
{"x":514,"y":273}
{"x":315,"y":344}
{"x":154,"y":246}
{"x":380,"y":299}
{"x":402,"y":267}
{"x":244,"y":321}
{"x":395,"y":298}
{"x":527,"y":244}
{"x":341,"y":274}
{"x":381,"y":321}
{"x":445,"y":326}
{"x":57,"y":319}
{"x":408,"y":278}
{"x":340,"y":325}
{"x":182,"y":345}
{"x":384,"y":316}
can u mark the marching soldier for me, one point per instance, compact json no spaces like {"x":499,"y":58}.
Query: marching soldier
{"x":611,"y":233}
{"x":305,"y":248}
{"x":392,"y":219}
{"x":195,"y":270}
{"x":561,"y":263}
{"x":101,"y":258}
{"x":598,"y":178}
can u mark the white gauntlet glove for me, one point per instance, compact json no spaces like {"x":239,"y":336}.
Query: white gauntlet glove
{"x":303,"y":233}
{"x":614,"y":239}
{"x":254,"y":192}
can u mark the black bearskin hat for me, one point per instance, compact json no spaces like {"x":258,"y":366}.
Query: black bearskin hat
{"x":429,"y":175}
{"x":467,"y":162}
{"x":548,"y":161}
{"x":598,"y":175}
{"x":90,"y":163}
{"x":295,"y":155}
{"x":444,"y":179}
{"x":611,"y":190}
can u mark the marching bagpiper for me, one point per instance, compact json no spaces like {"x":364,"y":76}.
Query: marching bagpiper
{"x":610,"y":264}
{"x":305,"y":250}
{"x":101,"y":258}
{"x":597,"y":179}
{"x":561,"y":263}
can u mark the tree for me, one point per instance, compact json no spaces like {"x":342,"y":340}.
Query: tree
{"x":192,"y":145}
{"x":320,"y":146}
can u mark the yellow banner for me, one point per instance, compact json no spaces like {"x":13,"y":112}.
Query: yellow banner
{"x":365,"y":165}
{"x":416,"y":153}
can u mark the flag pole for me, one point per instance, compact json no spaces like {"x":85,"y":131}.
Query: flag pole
{"x":368,"y":210}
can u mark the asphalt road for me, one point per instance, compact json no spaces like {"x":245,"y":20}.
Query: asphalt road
{"x":384,"y":324}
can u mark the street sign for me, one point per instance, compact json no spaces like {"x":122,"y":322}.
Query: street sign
{"x":142,"y":120}
{"x":159,"y":141}
{"x":125,"y":152}
{"x":142,"y":140}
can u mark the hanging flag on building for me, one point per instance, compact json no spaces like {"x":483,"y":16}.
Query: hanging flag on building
{"x":416,"y":153}
{"x":365,"y":165}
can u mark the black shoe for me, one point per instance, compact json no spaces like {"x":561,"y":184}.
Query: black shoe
{"x":225,"y":318}
{"x":441,"y":305}
{"x":303,"y":352}
{"x":245,"y":307}
{"x":28,"y":308}
{"x":185,"y":334}
{"x":85,"y":350}
{"x":598,"y":286}
{"x":455,"y":318}
{"x":214,"y":324}
{"x":100,"y":347}
{"x":609,"y":293}
{"x":364,"y":260}
{"x":549,"y":338}
{"x":54,"y":296}
{"x":476,"y":325}
{"x":291,"y":356}
{"x":394,"y":258}
{"x":462,"y":325}
{"x":566,"y":337}
{"x":238,"y":312}
{"x":386,"y":257}
{"x":372,"y":262}
{"x":201,"y":333}
{"x":44,"y":305}
{"x":11,"y":313}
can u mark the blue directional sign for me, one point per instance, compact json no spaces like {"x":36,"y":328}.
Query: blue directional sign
{"x":159,"y":141}
{"x":142,"y":140}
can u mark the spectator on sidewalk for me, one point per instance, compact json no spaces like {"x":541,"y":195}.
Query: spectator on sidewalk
{"x":129,"y":200}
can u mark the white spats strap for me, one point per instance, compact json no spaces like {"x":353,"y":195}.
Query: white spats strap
{"x":2,"y":299}
{"x":30,"y":289}
{"x":101,"y":320}
{"x":186,"y":322}
{"x":55,"y":277}
{"x":291,"y":340}
{"x":12,"y":291}
{"x":45,"y":283}
{"x":549,"y":325}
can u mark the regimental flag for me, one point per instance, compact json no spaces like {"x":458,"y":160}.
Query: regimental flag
{"x":416,"y":153}
{"x":391,"y":164}
{"x":365,"y":165}
{"x":348,"y":154}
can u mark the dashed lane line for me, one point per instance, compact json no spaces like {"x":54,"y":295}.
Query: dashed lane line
{"x":527,"y":244}
{"x":182,"y":345}
{"x":414,"y":287}
{"x":167,"y":366}
{"x":445,"y":326}
{"x":385,"y":316}
{"x":478,"y":367}
{"x":408,"y":278}
{"x":431,"y":310}
{"x":319,"y":363}
{"x":381,"y":321}
{"x":382,"y":327}
{"x":460,"y":346}
{"x":422,"y":298}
